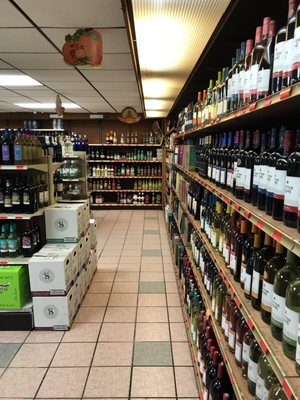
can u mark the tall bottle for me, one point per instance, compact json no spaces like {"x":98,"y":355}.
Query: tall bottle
{"x":239,"y":56}
{"x":249,"y":157}
{"x":257,"y":168}
{"x":296,"y":51}
{"x":247,"y":340}
{"x":263,"y":371}
{"x":255,"y":57}
{"x":241,"y":166}
{"x":254,"y":354}
{"x":277,"y":393}
{"x":291,"y":319}
{"x":247,"y":68}
{"x":246,"y":253}
{"x":249,"y":267}
{"x":289,"y":45}
{"x":263,"y":177}
{"x":7,"y":151}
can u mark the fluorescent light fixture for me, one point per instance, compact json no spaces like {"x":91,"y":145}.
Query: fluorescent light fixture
{"x":156,"y":104}
{"x":42,"y":106}
{"x":155,"y":113}
{"x":18,"y":80}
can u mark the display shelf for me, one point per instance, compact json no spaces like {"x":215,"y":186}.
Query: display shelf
{"x":124,"y":177}
{"x":124,"y":161}
{"x":124,"y":205}
{"x":47,"y":130}
{"x":278,"y":104}
{"x":22,"y":216}
{"x":170,"y":131}
{"x":288,"y":237}
{"x":124,"y":191}
{"x":82,"y":179}
{"x":285,"y":371}
{"x":125,"y":145}
{"x":38,"y":167}
{"x":14,"y":261}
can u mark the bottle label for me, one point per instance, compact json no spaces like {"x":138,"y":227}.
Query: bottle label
{"x":243,"y":273}
{"x":15,"y":198}
{"x":222,"y":175}
{"x":271,"y":180}
{"x":290,"y":325}
{"x":214,"y":238}
{"x":252,"y":371}
{"x":7,"y":202}
{"x":296,"y":51}
{"x":229,"y":182}
{"x":26,"y":199}
{"x":12,"y":245}
{"x":216,"y":311}
{"x":256,"y":175}
{"x":246,"y":84}
{"x":5,"y":153}
{"x":221,"y":243}
{"x":234,"y":85}
{"x":240,"y":177}
{"x":298,"y":346}
{"x":253,"y":78}
{"x":265,"y":394}
{"x":41,"y":197}
{"x":278,"y":59}
{"x":26,"y":242}
{"x":278,"y":304}
{"x":226,"y":328}
{"x":246,"y":352}
{"x":227,"y":255}
{"x":241,"y":82}
{"x":231,"y":338}
{"x":247,"y":178}
{"x":18,"y":152}
{"x":46,"y":193}
{"x":259,"y":389}
{"x":238,"y":351}
{"x":255,"y":284}
{"x":292,"y":194}
{"x":262,"y":179}
{"x":267,"y":296}
{"x":247,"y":283}
{"x":288,"y":58}
{"x":213,"y":305}
{"x":232,"y":261}
{"x":3,"y":246}
{"x":234,"y":170}
{"x":263,"y":82}
{"x":223,"y":323}
{"x":209,"y":170}
{"x":279,"y":184}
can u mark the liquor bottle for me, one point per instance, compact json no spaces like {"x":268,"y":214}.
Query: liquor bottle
{"x":248,"y":163}
{"x":229,"y":86}
{"x":18,"y":149}
{"x":263,"y":177}
{"x":249,"y":267}
{"x":229,"y":308}
{"x":8,"y":197}
{"x":215,"y":233}
{"x":223,"y":89}
{"x":289,"y":45}
{"x":3,"y":242}
{"x":197,"y":110}
{"x":238,"y":250}
{"x":291,"y":319}
{"x":277,"y":393}
{"x":227,"y":146}
{"x":241,"y":329}
{"x":270,"y":381}
{"x":239,"y":148}
{"x":262,"y":256}
{"x":296,"y":50}
{"x":280,"y":176}
{"x":245,"y":99}
{"x":220,"y":298}
{"x":12,"y":242}
{"x":292,"y":186}
{"x":239,"y":55}
{"x":283,"y":277}
{"x":211,"y":373}
{"x":28,"y":205}
{"x":234,"y":318}
{"x":246,"y":253}
{"x":257,"y":168}
{"x":7,"y":150}
{"x":216,"y":388}
{"x":27,"y":241}
{"x":247,"y":340}
{"x":255,"y":58}
{"x":254,"y":354}
{"x":2,"y":194}
{"x":17,"y":198}
{"x":263,"y":370}
{"x":272,"y":266}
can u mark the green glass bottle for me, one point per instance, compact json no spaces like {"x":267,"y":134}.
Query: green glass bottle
{"x":298,"y":351}
{"x":263,"y":370}
{"x":270,"y":381}
{"x":277,"y":393}
{"x":291,"y":319}
{"x":3,"y":242}
{"x":12,"y":242}
{"x":220,"y":296}
{"x":283,"y":277}
{"x":254,"y":354}
{"x":248,"y":337}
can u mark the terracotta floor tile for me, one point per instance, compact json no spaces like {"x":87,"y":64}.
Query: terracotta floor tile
{"x":120,"y":314}
{"x":113,"y":354}
{"x":13,"y":336}
{"x":132,"y":267}
{"x":130,"y":259}
{"x":185,"y":382}
{"x":152,"y":332}
{"x":95,"y":300}
{"x":152,"y":300}
{"x":125,"y":287}
{"x":181,"y":354}
{"x":108,"y":382}
{"x":127,"y":277}
{"x":73,"y":355}
{"x":21,"y":382}
{"x":170,"y":277}
{"x":82,"y":332}
{"x":117,"y":332}
{"x":90,"y":314}
{"x":107,"y":267}
{"x":153,"y":381}
{"x":152,"y":314}
{"x":131,"y":252}
{"x":44,"y":337}
{"x":151,"y":276}
{"x":123,"y":300}
{"x":63,"y":383}
{"x":34,"y":355}
{"x":108,"y":259}
{"x":100,"y":287}
{"x":171,"y":287}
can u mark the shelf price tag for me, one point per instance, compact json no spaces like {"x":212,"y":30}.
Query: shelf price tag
{"x":259,"y":224}
{"x":268,"y":101}
{"x":263,"y":346}
{"x":247,"y":214}
{"x":3,"y":217}
{"x":287,"y":389}
{"x":252,"y":107}
{"x":231,"y":378}
{"x":238,"y":301}
{"x":236,"y":207}
{"x":285,"y":93}
{"x":243,"y":111}
{"x":250,"y":323}
{"x":277,"y":236}
{"x":232,"y":292}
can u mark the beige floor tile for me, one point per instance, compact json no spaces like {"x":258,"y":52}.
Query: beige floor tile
{"x":131,"y":252}
{"x":167,"y":259}
{"x":73,"y":355}
{"x":133,"y":246}
{"x":151,"y":260}
{"x":44,"y":337}
{"x":104,"y":276}
{"x":181,"y":354}
{"x":152,"y":332}
{"x":90,"y":314}
{"x":170,"y":277}
{"x":173,"y":300}
{"x":34,"y":355}
{"x":171,"y":287}
{"x":169,"y":267}
{"x":120,"y":314}
{"x":2,"y":371}
{"x":129,"y":267}
{"x":21,"y":382}
{"x":175,"y":314}
{"x":185,"y":381}
{"x":107,"y":267}
{"x":151,"y":276}
{"x":82,"y":332}
{"x":152,"y":314}
{"x":117,"y":332}
{"x":130,"y":259}
{"x":178,"y":332}
{"x":95,"y":300}
{"x":108,"y":382}
{"x":54,"y":384}
{"x":13,"y":336}
{"x":123,"y":299}
{"x":125,"y":287}
{"x":127,"y":277}
{"x":100,"y":287}
{"x":108,"y":259}
{"x":113,"y":354}
{"x":108,"y":253}
{"x":132,"y":240}
{"x":152,"y":267}
{"x":152,"y":300}
{"x":153,"y":381}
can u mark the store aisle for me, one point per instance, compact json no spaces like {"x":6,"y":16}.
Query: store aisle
{"x":128,"y":340}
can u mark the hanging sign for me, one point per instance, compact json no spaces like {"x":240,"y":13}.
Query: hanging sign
{"x":129,"y":116}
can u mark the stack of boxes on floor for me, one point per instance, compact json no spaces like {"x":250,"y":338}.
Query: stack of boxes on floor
{"x":61,"y":271}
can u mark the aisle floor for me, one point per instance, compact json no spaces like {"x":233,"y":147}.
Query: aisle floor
{"x":128,"y":340}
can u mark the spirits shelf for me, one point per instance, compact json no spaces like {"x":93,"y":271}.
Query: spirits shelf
{"x":124,"y":191}
{"x":47,"y":130}
{"x":14,"y":261}
{"x":124,"y":161}
{"x":124,"y":177}
{"x":278,"y":104}
{"x":125,"y":145}
{"x":172,"y":130}
{"x":74,"y":180}
{"x":124,"y":205}
{"x":283,"y":367}
{"x":38,"y":167}
{"x":288,"y":237}
{"x":239,"y":384}
{"x":22,"y":216}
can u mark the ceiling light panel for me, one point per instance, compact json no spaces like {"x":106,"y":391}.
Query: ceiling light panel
{"x":17,"y":80}
{"x":43,"y":106}
{"x":171,"y":35}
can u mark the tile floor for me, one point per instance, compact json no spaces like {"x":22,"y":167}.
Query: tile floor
{"x":128,"y":340}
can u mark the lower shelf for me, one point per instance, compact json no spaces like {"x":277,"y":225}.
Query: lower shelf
{"x":124,"y":205}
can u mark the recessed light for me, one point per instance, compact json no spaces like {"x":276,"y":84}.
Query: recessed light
{"x":41,"y":106}
{"x":18,"y":80}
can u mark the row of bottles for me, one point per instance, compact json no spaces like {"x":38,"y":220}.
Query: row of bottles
{"x":127,"y":198}
{"x":260,"y":167}
{"x":131,"y":138}
{"x":108,"y":170}
{"x":270,"y":280}
{"x":24,"y":241}
{"x":71,"y":169}
{"x":101,"y":153}
{"x":23,"y":195}
{"x":259,"y":68}
{"x":116,"y":184}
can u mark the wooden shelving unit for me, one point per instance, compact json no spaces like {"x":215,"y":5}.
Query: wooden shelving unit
{"x":124,"y":205}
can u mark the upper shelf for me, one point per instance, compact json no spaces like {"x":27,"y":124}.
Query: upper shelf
{"x":124,"y":161}
{"x":38,"y":167}
{"x":47,"y":130}
{"x":276,"y":105}
{"x":125,"y":145}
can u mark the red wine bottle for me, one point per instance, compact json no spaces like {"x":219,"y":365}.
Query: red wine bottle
{"x":296,"y":57}
{"x":289,"y":45}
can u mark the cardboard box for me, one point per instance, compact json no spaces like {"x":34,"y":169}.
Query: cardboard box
{"x":14,"y":287}
{"x":93,"y":233}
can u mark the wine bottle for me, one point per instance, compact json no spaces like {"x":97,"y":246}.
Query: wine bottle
{"x":211,"y":373}
{"x":289,"y":45}
{"x":250,"y":156}
{"x":296,"y":50}
{"x":8,"y":208}
{"x":248,"y":337}
{"x":239,"y":56}
{"x":270,"y":381}
{"x":241,"y":329}
{"x":298,"y":351}
{"x":254,"y":354}
{"x":263,"y":176}
{"x":236,"y":172}
{"x":277,"y":393}
{"x":263,"y":370}
{"x":247,"y":67}
{"x":256,"y":168}
{"x":234,"y":318}
{"x":241,"y":167}
{"x":272,"y":266}
{"x":216,"y":387}
{"x":249,"y":267}
{"x":246,"y":253}
{"x":239,"y":243}
{"x":255,"y":58}
{"x":3,"y":242}
{"x":291,"y":319}
{"x":283,"y":277}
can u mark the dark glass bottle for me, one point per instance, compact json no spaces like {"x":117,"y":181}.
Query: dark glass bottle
{"x":248,"y":337}
{"x":246,"y":75}
{"x":263,"y":176}
{"x":7,"y":149}
{"x":250,"y":156}
{"x":8,"y":208}
{"x":241,"y":166}
{"x":256,"y":168}
{"x":254,"y":354}
{"x":238,"y":149}
{"x":27,"y":241}
{"x":296,"y":58}
{"x":216,"y":388}
{"x":249,"y":267}
{"x":239,"y":244}
{"x":224,"y":161}
{"x":241,"y":329}
{"x":246,"y":253}
{"x":2,"y":194}
{"x":17,"y":198}
{"x":28,"y":197}
{"x":211,"y":373}
{"x":230,"y":161}
{"x":255,"y":58}
{"x":289,"y":45}
{"x":239,"y":55}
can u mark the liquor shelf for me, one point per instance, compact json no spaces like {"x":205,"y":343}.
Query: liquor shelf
{"x":124,"y":205}
{"x":14,"y":261}
{"x":22,"y":216}
{"x":123,"y":191}
{"x":283,"y":367}
{"x":124,"y":177}
{"x":124,"y":161}
{"x":125,"y":145}
{"x":38,"y":167}
{"x":288,"y":237}
{"x":74,"y":180}
{"x":278,"y":104}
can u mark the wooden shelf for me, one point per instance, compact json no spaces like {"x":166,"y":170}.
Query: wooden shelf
{"x":125,"y":145}
{"x":288,"y":237}
{"x":283,"y":367}
{"x":14,"y":261}
{"x":124,"y":205}
{"x":124,"y":191}
{"x":22,"y":216}
{"x":46,"y":130}
{"x":124,"y":177}
{"x":277,"y":104}
{"x":38,"y":167}
{"x":123,"y":161}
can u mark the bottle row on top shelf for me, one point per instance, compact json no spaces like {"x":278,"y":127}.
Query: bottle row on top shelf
{"x":131,"y":138}
{"x":104,"y":170}
{"x":105,"y":154}
{"x":140,"y":198}
{"x":116,"y":184}
{"x":258,"y":69}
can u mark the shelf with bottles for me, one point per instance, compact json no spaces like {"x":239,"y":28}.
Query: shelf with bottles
{"x":128,"y":170}
{"x":47,"y":130}
{"x":124,"y":205}
{"x":139,"y":197}
{"x":125,"y":177}
{"x":288,"y":237}
{"x":123,"y":191}
{"x":285,"y":371}
{"x":38,"y":167}
{"x":124,"y":161}
{"x":116,"y":184}
{"x":8,"y":216}
{"x":125,"y":145}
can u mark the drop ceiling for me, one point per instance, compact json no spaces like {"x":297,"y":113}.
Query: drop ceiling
{"x":32,"y":34}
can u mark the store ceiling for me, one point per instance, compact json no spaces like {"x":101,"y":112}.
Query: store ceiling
{"x":32,"y":34}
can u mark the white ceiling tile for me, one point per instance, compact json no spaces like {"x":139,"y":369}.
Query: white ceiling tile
{"x":74,"y":13}
{"x":88,"y":99}
{"x":119,"y":94}
{"x":10,"y":16}
{"x":35,"y":61}
{"x":3,"y":64}
{"x":101,"y":108}
{"x":110,"y":76}
{"x":79,"y":92}
{"x":23,"y":40}
{"x":117,"y":61}
{"x":55,"y":75}
{"x":61,"y":86}
{"x":42,"y":93}
{"x":130,"y":86}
